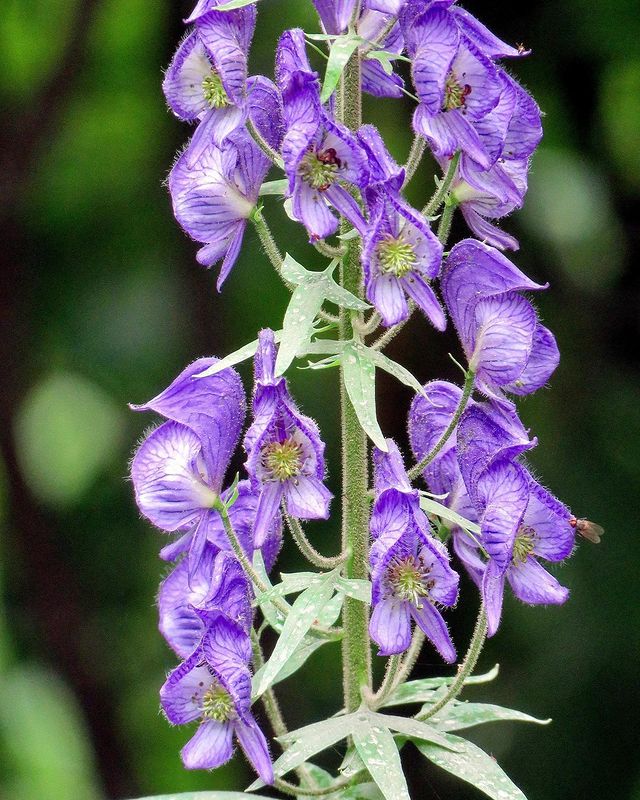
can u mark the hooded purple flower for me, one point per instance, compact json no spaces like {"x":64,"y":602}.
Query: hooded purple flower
{"x":319,"y":153}
{"x":179,"y":468}
{"x":400,"y":252}
{"x":285,"y":455}
{"x":485,"y":483}
{"x":410,"y":569}
{"x":214,"y":686}
{"x":185,"y":603}
{"x":507,"y":348}
{"x":214,"y":198}
{"x":457,"y":84}
{"x":206,"y":80}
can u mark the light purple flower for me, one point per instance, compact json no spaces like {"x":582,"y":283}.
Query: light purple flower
{"x":214,"y":198}
{"x":319,"y":153}
{"x":410,"y":569}
{"x":506,"y":347}
{"x":400,"y":252}
{"x":285,"y":454}
{"x":214,"y":686}
{"x":335,"y":14}
{"x":457,"y":84}
{"x":185,"y":603}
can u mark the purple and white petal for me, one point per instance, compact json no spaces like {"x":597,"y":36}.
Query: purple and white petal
{"x":435,"y":629}
{"x":210,"y":746}
{"x":390,"y":626}
{"x":532,"y":584}
{"x":255,"y":747}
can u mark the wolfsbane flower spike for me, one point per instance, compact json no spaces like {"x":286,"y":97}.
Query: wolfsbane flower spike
{"x":285,"y":454}
{"x":410,"y":569}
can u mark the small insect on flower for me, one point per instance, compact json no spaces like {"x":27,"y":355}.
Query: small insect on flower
{"x":590,"y":531}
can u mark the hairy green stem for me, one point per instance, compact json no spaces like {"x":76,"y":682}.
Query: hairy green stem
{"x":389,"y":682}
{"x":329,"y":250}
{"x":465,"y":669}
{"x":308,"y":550}
{"x":356,"y":648}
{"x":301,"y":791}
{"x":415,"y":157}
{"x":443,"y":187}
{"x":464,"y":399}
{"x":383,"y":340}
{"x":411,"y":656}
{"x":269,"y":699}
{"x":262,"y":143}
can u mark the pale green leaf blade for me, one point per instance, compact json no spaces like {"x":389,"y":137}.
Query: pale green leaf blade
{"x":231,"y":4}
{"x":290,"y":583}
{"x":297,"y":327}
{"x":274,"y":617}
{"x":341,"y":51}
{"x":377,"y":749}
{"x":336,"y":294}
{"x":242,"y":354}
{"x":471,"y":764}
{"x":360,"y":383}
{"x":421,"y":691}
{"x":279,"y":188}
{"x":356,"y":588}
{"x":397,"y":370}
{"x":301,"y":617}
{"x":457,"y":716}
{"x":293,"y":272}
{"x":412,"y":728}
{"x":439,"y":510}
{"x":382,"y":57}
{"x":305,"y":742}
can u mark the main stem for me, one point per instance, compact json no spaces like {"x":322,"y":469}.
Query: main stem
{"x":356,"y":650}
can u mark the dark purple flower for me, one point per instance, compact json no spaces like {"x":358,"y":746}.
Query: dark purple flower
{"x":400,"y":252}
{"x":179,"y":468}
{"x":410,"y":569}
{"x":457,"y":84}
{"x":214,"y":686}
{"x":319,"y":153}
{"x":214,"y":198}
{"x":285,"y":454}
{"x":186,"y":602}
{"x":375,"y":80}
{"x":506,"y":347}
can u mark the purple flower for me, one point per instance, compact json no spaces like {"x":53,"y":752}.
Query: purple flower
{"x":214,"y":686}
{"x":457,"y":84}
{"x":319,"y":153}
{"x":186,"y":602}
{"x":375,"y":80}
{"x":479,"y":470}
{"x":335,"y":14}
{"x":285,"y":454}
{"x":400,"y":252}
{"x":179,"y":468}
{"x":410,"y":569}
{"x":507,"y":348}
{"x":214,"y":198}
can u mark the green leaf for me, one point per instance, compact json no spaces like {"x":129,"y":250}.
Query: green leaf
{"x":422,"y":691}
{"x":456,"y":716}
{"x":290,"y":583}
{"x":242,"y":354}
{"x":395,"y":369}
{"x":409,"y":727}
{"x":356,"y":588}
{"x":274,"y":617}
{"x":377,"y":749}
{"x":312,"y":289}
{"x":341,"y":51}
{"x":306,"y":742}
{"x":324,"y":780}
{"x":231,"y":4}
{"x":383,"y":58}
{"x":439,"y":510}
{"x":274,"y":188}
{"x":360,"y":383}
{"x":303,"y":614}
{"x":473,"y":765}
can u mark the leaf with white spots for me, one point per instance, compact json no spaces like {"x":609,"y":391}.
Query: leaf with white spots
{"x":457,"y":716}
{"x":421,"y":691}
{"x":231,"y":4}
{"x":471,"y":764}
{"x":360,"y":382}
{"x":242,"y":354}
{"x":279,"y":188}
{"x":356,"y":588}
{"x":304,"y":612}
{"x":377,"y":749}
{"x":397,"y":370}
{"x":412,"y":728}
{"x":440,"y":510}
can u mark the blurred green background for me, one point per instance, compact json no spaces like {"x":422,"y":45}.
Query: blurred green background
{"x":102,"y":303}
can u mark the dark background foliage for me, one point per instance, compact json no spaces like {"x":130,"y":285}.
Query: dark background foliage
{"x":102,"y":303}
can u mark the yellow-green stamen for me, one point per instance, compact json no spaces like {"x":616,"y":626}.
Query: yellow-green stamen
{"x":283,"y":460}
{"x":524,"y":544}
{"x":214,"y":91}
{"x":409,"y":579}
{"x":319,"y":169}
{"x":396,"y":256}
{"x":217,"y":703}
{"x":454,"y":93}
